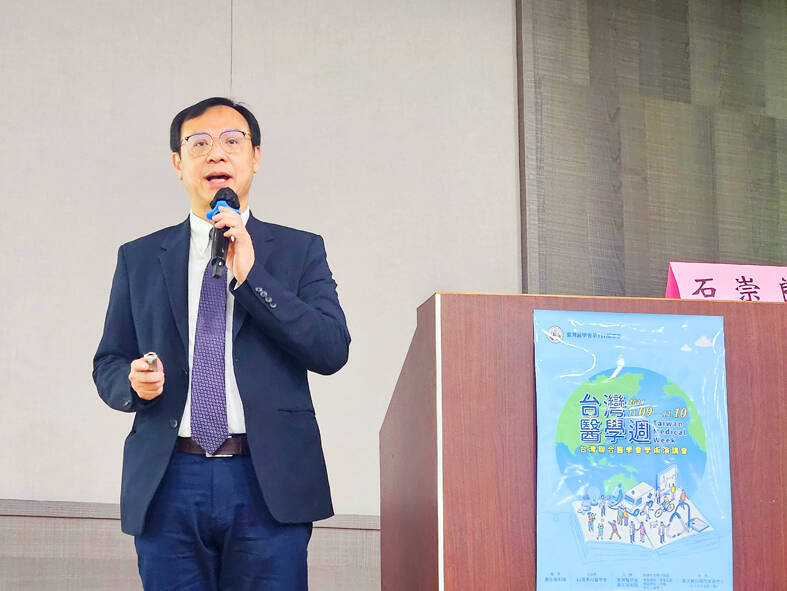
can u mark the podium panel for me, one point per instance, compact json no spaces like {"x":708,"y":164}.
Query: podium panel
{"x":458,"y":444}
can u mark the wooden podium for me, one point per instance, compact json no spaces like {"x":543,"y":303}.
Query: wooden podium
{"x":458,"y":444}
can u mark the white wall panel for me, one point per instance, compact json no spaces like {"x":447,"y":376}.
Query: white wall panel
{"x":388,"y":127}
{"x":89,"y":90}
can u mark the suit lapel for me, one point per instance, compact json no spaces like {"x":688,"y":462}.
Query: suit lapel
{"x":174,"y":259}
{"x":262,"y":239}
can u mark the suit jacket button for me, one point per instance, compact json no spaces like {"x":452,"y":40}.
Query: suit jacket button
{"x":273,"y":305}
{"x":127,"y":402}
{"x":268,"y":299}
{"x":258,"y":289}
{"x":173,"y":423}
{"x":263,"y":293}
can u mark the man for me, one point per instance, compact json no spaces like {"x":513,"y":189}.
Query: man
{"x":223,"y":471}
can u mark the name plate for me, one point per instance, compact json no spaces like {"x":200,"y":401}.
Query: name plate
{"x":716,"y":281}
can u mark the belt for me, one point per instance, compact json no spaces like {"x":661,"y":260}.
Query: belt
{"x":237,"y":445}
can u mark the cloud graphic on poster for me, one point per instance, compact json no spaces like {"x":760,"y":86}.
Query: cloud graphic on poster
{"x":621,"y":363}
{"x":685,"y":348}
{"x":703,"y":341}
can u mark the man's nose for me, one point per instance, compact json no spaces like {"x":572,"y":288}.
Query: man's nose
{"x":217,"y":153}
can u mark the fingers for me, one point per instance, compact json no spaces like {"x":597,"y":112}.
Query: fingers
{"x":148,"y":390}
{"x":142,"y":365}
{"x":227,"y":217}
{"x":236,"y":233}
{"x":139,"y":365}
{"x":147,"y":383}
{"x":231,"y":224}
{"x":149,"y":393}
{"x":147,"y":377}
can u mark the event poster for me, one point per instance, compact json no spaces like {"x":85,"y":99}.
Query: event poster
{"x":633,"y":452}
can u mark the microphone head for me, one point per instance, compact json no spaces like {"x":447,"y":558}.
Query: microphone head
{"x":228,"y":195}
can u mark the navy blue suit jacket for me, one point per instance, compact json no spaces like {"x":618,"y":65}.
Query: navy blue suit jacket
{"x":287,"y":320}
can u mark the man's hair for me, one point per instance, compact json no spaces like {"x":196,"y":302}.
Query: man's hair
{"x":199,"y":108}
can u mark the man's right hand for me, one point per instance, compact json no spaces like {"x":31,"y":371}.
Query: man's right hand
{"x":147,"y":383}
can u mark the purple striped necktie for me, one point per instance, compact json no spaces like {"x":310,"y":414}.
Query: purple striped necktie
{"x":208,"y":398}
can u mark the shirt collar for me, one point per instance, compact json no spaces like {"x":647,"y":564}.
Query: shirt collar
{"x":200,"y":230}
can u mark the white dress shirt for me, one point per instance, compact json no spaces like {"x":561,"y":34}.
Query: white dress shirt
{"x":199,"y":257}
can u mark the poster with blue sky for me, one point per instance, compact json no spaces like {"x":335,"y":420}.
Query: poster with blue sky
{"x":633,"y":452}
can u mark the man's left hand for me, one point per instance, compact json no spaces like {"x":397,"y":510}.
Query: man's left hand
{"x":240,"y":254}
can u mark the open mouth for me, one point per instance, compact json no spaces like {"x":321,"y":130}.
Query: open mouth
{"x":218,"y":179}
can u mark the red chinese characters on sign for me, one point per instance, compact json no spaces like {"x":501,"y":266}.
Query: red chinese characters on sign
{"x":747,"y":289}
{"x":707,"y":292}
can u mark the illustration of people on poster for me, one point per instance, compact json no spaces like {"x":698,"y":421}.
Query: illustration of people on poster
{"x":633,"y":452}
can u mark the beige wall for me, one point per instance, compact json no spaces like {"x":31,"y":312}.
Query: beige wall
{"x":388,"y":127}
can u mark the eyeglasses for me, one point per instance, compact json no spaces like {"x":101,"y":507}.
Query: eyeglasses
{"x":200,"y":144}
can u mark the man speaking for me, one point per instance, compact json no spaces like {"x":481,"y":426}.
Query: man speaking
{"x":223,"y":470}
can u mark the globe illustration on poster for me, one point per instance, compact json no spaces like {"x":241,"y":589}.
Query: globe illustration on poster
{"x":647,"y":402}
{"x":631,"y":445}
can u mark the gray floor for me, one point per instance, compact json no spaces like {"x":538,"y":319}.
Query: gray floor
{"x":77,"y":552}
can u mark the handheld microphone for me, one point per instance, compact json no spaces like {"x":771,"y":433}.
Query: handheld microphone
{"x":218,"y":242}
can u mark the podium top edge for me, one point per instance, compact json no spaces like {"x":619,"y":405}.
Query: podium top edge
{"x":591,"y":297}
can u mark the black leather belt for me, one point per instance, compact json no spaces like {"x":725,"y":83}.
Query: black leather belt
{"x":237,"y":445}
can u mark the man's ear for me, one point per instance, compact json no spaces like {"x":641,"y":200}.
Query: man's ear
{"x":257,"y":157}
{"x":176,"y":164}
